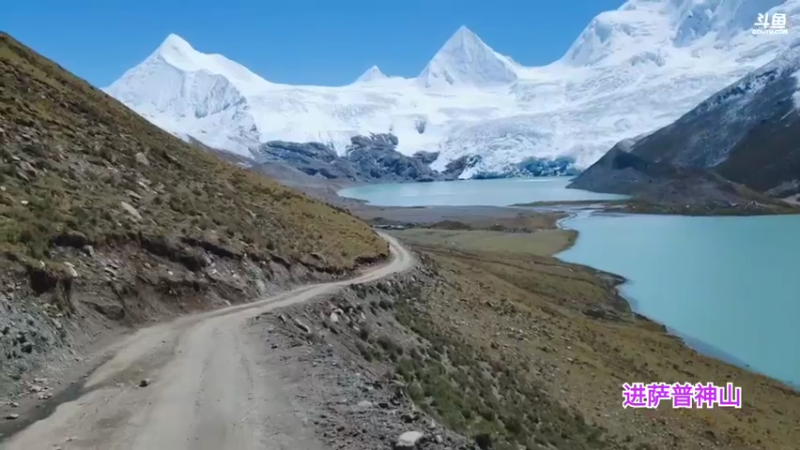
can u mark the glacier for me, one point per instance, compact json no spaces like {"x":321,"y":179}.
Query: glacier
{"x":631,"y":71}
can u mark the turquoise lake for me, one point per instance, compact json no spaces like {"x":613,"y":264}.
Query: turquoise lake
{"x":728,"y":285}
{"x":472,"y":192}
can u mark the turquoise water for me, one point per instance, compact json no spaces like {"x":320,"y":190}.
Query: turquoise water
{"x":501,"y":192}
{"x":730,"y":285}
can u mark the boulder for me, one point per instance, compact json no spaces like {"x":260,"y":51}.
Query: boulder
{"x":409,"y":440}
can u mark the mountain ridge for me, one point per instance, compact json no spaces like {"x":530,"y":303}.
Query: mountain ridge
{"x":736,"y":147}
{"x":746,"y":132}
{"x":610,"y":85}
{"x":465,"y":60}
{"x":372,"y":74}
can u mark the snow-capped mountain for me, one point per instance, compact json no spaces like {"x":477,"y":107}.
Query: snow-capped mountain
{"x":631,"y":71}
{"x":465,"y":60}
{"x":748,"y":132}
{"x":372,"y":74}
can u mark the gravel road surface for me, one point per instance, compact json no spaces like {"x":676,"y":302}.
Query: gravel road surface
{"x":197,"y":383}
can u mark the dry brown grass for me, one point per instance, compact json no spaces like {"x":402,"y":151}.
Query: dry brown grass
{"x":563,"y":328}
{"x":71,"y":155}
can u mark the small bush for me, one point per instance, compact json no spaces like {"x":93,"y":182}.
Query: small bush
{"x":364,"y":350}
{"x":390,"y":346}
{"x":415,"y":392}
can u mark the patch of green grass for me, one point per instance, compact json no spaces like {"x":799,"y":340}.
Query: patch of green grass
{"x":473,"y":393}
{"x":475,"y":390}
{"x":519,"y":337}
{"x":542,"y":242}
{"x":390,"y":347}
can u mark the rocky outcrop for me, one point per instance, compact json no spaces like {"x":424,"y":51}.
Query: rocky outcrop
{"x":367,"y":159}
{"x":312,"y":158}
{"x":533,"y":167}
{"x":426,"y":157}
{"x":622,"y":172}
{"x":376,"y":158}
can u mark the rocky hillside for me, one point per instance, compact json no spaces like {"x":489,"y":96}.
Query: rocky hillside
{"x":497,"y":344}
{"x":106,"y":219}
{"x":663,"y":187}
{"x":367,"y":159}
{"x":748,"y":132}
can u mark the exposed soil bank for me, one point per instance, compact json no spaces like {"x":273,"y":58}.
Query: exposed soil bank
{"x":196,"y":382}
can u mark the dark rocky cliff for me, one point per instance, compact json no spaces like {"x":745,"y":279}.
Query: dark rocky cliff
{"x":741,"y":145}
{"x":669,"y":188}
{"x":748,"y":132}
{"x":367,"y":159}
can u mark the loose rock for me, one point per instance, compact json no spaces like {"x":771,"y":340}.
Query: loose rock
{"x":131,"y":210}
{"x":141,"y":158}
{"x":365,"y":404}
{"x":302,"y":326}
{"x":484,"y":441}
{"x":408,"y":440}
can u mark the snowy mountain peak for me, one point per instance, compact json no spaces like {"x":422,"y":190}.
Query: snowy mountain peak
{"x":632,"y":71}
{"x":175,"y":53}
{"x":175,"y":48}
{"x":464,"y":37}
{"x":704,"y":27}
{"x":372,"y":74}
{"x":465,"y":60}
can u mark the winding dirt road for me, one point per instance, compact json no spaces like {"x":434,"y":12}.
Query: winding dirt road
{"x":211,"y":388}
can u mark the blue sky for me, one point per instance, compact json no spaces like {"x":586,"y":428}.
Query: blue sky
{"x":322,"y":42}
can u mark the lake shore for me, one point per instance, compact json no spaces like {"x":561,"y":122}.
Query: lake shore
{"x":634,"y":206}
{"x":747,"y":204}
{"x":542,"y":217}
{"x":616,"y":344}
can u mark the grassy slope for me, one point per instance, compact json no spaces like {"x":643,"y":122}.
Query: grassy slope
{"x":561,"y":335}
{"x":541,"y":242}
{"x":71,"y":154}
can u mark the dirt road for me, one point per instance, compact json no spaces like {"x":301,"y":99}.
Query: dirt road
{"x":209,"y":387}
